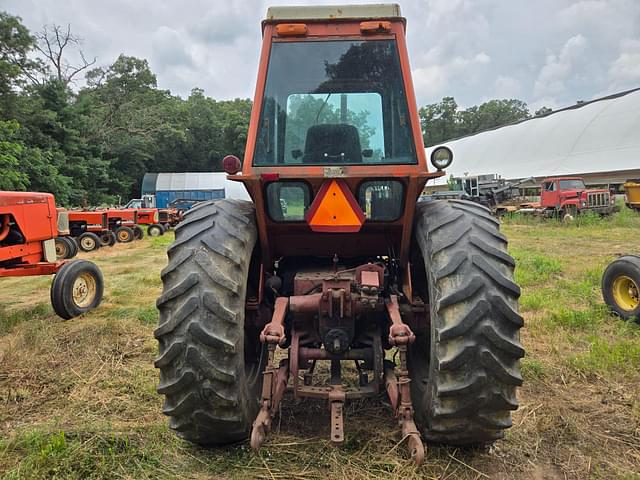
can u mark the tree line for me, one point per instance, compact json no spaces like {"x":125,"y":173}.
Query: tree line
{"x":92,"y":145}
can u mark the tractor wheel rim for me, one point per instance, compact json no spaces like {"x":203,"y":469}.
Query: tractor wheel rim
{"x":122,"y":236}
{"x":154,"y":232}
{"x":626,"y":293}
{"x":84,"y":290}
{"x":88,"y":243}
{"x":61,"y":250}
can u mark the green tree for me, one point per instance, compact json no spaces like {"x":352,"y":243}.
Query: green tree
{"x":135,"y":125}
{"x":439,"y":121}
{"x":444,"y":121}
{"x":17,"y":68}
{"x":11,"y":148}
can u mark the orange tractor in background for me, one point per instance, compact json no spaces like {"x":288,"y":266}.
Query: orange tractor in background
{"x":29,"y":224}
{"x":334,"y":261}
{"x":98,"y":228}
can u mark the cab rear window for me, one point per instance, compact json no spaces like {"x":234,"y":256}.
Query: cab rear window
{"x":288,"y":201}
{"x":381,"y":200}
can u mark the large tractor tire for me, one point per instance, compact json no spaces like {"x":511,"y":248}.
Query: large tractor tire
{"x":77,"y":288}
{"x":210,"y":370}
{"x":621,"y":287}
{"x":88,"y":242}
{"x":465,"y":371}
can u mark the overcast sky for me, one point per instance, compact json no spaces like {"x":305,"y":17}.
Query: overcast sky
{"x":545,"y":52}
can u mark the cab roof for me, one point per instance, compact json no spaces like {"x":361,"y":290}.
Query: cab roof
{"x":334,"y":12}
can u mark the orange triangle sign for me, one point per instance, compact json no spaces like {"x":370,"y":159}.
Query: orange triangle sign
{"x":335,"y":209}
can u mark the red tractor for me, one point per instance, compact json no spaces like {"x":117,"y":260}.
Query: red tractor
{"x":28,"y":228}
{"x":167,"y":217}
{"x":96,"y":228}
{"x":149,"y":217}
{"x":124,"y":223}
{"x":90,"y":229}
{"x":334,"y":261}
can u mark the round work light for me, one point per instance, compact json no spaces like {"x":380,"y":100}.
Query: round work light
{"x":441,"y":157}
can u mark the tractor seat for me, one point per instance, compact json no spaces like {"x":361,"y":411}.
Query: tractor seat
{"x":332,"y":143}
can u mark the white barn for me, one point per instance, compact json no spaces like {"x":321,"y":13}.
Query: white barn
{"x":599,"y":140}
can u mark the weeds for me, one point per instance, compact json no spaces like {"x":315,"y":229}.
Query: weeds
{"x":534,"y":268}
{"x":78,"y":399}
{"x":609,"y":357}
{"x":8,"y":320}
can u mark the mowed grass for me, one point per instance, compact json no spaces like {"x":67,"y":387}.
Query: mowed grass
{"x":78,"y":400}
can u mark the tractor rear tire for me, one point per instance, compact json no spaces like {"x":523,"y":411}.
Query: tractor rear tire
{"x":77,"y":288}
{"x":210,"y":369}
{"x":621,"y":287}
{"x":155,"y":230}
{"x":138,"y":233}
{"x":108,"y":238}
{"x":466,"y":369}
{"x":88,"y":242}
{"x":124,"y":234}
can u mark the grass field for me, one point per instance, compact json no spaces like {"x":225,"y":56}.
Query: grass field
{"x":77,"y":398}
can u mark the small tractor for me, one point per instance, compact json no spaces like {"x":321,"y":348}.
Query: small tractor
{"x":100,"y":228}
{"x":29,"y":224}
{"x":167,"y":217}
{"x":348,"y":267}
{"x":151,"y":218}
{"x":621,"y":287}
{"x":90,"y":229}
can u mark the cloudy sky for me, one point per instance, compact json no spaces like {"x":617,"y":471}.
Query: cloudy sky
{"x":545,"y":52}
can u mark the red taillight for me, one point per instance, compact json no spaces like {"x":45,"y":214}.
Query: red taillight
{"x":269,"y":177}
{"x":231,"y":164}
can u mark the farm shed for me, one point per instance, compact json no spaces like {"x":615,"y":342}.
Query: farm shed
{"x":598,"y":140}
{"x":168,"y":187}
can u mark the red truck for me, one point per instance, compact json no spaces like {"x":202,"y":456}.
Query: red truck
{"x":565,"y":197}
{"x":29,"y":225}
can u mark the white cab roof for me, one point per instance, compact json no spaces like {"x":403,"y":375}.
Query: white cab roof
{"x":331,"y":12}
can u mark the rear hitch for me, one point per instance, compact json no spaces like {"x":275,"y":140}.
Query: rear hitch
{"x":275,"y":379}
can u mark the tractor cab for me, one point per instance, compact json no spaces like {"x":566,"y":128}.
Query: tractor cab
{"x":334,"y":143}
